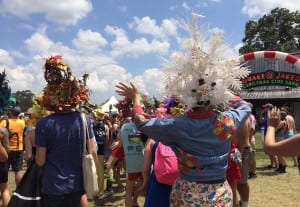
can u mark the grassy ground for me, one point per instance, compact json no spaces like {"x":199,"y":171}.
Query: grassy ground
{"x":269,"y":189}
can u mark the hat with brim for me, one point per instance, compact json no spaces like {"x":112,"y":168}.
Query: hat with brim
{"x":98,"y":114}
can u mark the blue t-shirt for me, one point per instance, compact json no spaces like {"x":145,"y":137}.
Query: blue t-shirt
{"x":62,"y":135}
{"x":133,"y":148}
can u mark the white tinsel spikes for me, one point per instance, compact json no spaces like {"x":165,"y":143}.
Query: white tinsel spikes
{"x":203,"y":78}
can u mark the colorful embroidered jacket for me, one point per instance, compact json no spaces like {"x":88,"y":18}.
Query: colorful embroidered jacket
{"x":200,"y":141}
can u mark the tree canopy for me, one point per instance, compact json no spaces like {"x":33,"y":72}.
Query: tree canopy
{"x":24,"y":99}
{"x":279,"y":30}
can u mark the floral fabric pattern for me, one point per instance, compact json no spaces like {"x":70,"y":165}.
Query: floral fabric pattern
{"x":224,"y":127}
{"x":186,"y":161}
{"x":193,"y":194}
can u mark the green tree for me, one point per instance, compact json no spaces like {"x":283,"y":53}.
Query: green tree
{"x":24,"y":99}
{"x":279,"y":30}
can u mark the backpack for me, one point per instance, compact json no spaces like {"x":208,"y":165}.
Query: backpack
{"x":165,"y":165}
{"x":99,"y":131}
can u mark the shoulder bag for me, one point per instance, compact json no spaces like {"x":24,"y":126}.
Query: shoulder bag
{"x":90,"y":183}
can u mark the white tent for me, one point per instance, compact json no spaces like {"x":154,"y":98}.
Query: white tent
{"x":111,"y":102}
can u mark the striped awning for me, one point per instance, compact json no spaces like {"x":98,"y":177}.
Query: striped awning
{"x":278,"y":94}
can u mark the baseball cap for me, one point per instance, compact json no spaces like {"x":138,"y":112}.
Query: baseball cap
{"x":15,"y":111}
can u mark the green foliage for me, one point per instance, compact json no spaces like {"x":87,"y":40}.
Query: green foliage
{"x":279,"y":30}
{"x":24,"y":99}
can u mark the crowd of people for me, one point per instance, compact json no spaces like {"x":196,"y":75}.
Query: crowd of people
{"x":111,"y":132}
{"x":203,"y":122}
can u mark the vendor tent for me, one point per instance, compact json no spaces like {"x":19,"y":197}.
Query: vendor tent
{"x":110,"y":102}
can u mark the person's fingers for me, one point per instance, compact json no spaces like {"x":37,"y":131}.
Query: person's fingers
{"x":122,"y":85}
{"x":121,"y":88}
{"x":133,"y":86}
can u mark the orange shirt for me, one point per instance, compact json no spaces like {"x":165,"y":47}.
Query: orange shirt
{"x":15,"y":125}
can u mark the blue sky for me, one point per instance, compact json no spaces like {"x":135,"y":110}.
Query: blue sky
{"x":112,"y":40}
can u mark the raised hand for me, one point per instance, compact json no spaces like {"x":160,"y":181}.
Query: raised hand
{"x":273,"y":117}
{"x":127,"y":90}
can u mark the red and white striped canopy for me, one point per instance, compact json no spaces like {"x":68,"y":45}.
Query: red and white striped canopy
{"x":271,"y":54}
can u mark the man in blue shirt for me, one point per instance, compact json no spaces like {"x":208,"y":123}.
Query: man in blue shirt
{"x":59,"y":137}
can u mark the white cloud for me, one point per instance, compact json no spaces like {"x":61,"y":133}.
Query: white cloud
{"x":151,"y":82}
{"x":96,"y":84}
{"x":67,"y":12}
{"x":169,"y":27}
{"x":20,"y":82}
{"x":102,"y":68}
{"x":38,"y":43}
{"x":5,"y":60}
{"x":255,"y":8}
{"x":146,"y":25}
{"x":154,"y":81}
{"x":20,"y":77}
{"x":89,"y":41}
{"x":122,"y":46}
{"x":102,"y":82}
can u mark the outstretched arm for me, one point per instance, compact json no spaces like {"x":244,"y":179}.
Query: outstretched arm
{"x":287,"y":147}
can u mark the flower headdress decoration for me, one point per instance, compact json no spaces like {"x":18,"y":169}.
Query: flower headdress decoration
{"x":203,"y":78}
{"x":124,"y":106}
{"x":147,"y":100}
{"x":173,"y":105}
{"x":36,"y":112}
{"x":63,"y":91}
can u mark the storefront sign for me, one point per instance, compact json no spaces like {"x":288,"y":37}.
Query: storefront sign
{"x":271,"y":78}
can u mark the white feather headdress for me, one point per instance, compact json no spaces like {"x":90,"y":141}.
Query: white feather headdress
{"x":202,"y":78}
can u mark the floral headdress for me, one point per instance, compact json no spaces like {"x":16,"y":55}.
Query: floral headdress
{"x":36,"y":112}
{"x":124,"y":106}
{"x":63,"y":91}
{"x":202,"y":78}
